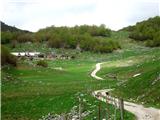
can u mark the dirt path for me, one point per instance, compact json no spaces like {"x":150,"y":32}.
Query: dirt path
{"x":141,"y":112}
{"x":93,"y":74}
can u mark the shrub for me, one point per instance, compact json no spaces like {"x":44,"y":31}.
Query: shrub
{"x":83,"y":36}
{"x":6,"y":37}
{"x":153,"y":43}
{"x":25,"y":37}
{"x":6,"y":57}
{"x":105,"y":46}
{"x":42,"y":63}
{"x":138,"y":36}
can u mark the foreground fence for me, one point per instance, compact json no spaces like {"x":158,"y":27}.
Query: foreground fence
{"x":103,"y":111}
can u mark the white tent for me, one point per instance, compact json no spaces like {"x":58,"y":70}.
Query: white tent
{"x":33,"y":54}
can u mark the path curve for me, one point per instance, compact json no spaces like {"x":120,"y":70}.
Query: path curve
{"x":93,"y":74}
{"x":141,"y":112}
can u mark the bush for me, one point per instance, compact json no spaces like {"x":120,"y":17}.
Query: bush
{"x":83,"y":36}
{"x":69,"y":37}
{"x":6,"y":37}
{"x":42,"y":63}
{"x":25,"y":37}
{"x":147,"y":31}
{"x":6,"y":57}
{"x":155,"y":42}
{"x":55,"y":42}
{"x":139,"y":36}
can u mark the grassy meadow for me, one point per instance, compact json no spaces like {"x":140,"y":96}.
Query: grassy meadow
{"x":35,"y":91}
{"x":39,"y":91}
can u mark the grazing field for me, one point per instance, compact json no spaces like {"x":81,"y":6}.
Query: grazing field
{"x":30,"y":91}
{"x":39,"y":91}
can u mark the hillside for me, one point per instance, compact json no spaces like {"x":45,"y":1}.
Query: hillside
{"x":10,"y":34}
{"x":5,"y":28}
{"x":147,"y":31}
{"x":33,"y":91}
{"x":86,"y":38}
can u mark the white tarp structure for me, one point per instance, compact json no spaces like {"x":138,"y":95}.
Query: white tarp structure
{"x":31,"y":54}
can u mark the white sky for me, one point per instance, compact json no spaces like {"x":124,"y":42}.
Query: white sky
{"x":115,"y":14}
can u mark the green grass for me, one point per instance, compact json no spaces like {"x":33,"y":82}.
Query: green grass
{"x":39,"y":91}
{"x":142,"y":88}
{"x":32,"y":91}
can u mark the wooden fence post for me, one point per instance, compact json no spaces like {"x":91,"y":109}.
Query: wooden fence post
{"x":115,"y":110}
{"x":66,"y":117}
{"x":99,"y":111}
{"x":80,"y":108}
{"x":121,"y":105}
{"x":107,"y":105}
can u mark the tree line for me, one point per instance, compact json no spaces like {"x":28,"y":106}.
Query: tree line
{"x":84,"y":37}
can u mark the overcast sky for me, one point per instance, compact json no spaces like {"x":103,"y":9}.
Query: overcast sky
{"x":115,"y":14}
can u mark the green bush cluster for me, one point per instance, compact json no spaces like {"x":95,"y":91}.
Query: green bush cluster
{"x":155,"y":42}
{"x":6,"y":37}
{"x":42,"y":63}
{"x":6,"y":57}
{"x":20,"y":37}
{"x":88,"y":38}
{"x":98,"y":44}
{"x":148,"y":31}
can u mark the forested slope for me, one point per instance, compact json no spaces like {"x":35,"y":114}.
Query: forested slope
{"x":148,"y":31}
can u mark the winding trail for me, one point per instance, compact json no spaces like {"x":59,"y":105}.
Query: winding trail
{"x":93,"y":74}
{"x":141,"y":112}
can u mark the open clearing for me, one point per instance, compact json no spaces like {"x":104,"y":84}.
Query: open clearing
{"x":39,"y":91}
